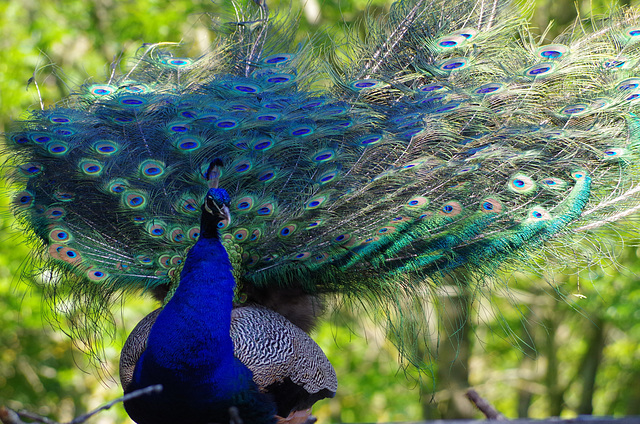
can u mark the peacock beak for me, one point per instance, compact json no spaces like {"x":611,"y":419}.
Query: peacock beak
{"x":225,"y":214}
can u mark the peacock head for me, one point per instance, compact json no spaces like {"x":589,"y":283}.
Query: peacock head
{"x":216,"y":203}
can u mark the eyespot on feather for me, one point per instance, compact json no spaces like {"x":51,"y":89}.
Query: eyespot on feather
{"x":632,"y":97}
{"x":314,"y":224}
{"x":101,"y":90}
{"x":246,"y":88}
{"x":316,"y":202}
{"x":97,"y":275}
{"x":313,"y":104}
{"x":321,"y":257}
{"x":177,"y":235}
{"x":633,"y":34}
{"x":370,"y":139}
{"x":134,"y":199}
{"x":540,"y":70}
{"x":31,"y":169}
{"x":342,"y":239}
{"x":64,"y":131}
{"x":411,"y":165}
{"x":245,"y":203}
{"x":132,"y":101}
{"x":242,"y":166}
{"x":178,"y":63}
{"x":138,"y":219}
{"x":431,"y":88}
{"x":262,"y":144}
{"x":64,"y":196}
{"x":152,"y":169}
{"x":366,"y":84}
{"x":194,"y":233}
{"x":134,"y":87}
{"x":578,"y":174}
{"x":301,"y":256}
{"x":538,"y":213}
{"x":20,"y":139}
{"x":280,"y":79}
{"x":453,"y":64}
{"x":324,"y":155}
{"x":301,"y":131}
{"x":616,"y":63}
{"x":369,"y":240}
{"x":521,"y":184}
{"x":40,"y":138}
{"x":60,"y":118}
{"x":491,"y":205}
{"x":489,"y":89}
{"x":287,"y":230}
{"x":552,"y":183}
{"x":277,"y":59}
{"x":165,"y":261}
{"x":122,"y":120}
{"x":614,"y":153}
{"x":267,"y":175}
{"x":156,"y":228}
{"x":24,"y":199}
{"x":57,"y":148}
{"x":64,"y":253}
{"x":467,"y":33}
{"x":188,"y":144}
{"x":117,"y":186}
{"x":629,"y":84}
{"x":144,"y":260}
{"x":90,"y":167}
{"x":552,"y":51}
{"x":328,"y":176}
{"x":256,"y":235}
{"x":450,"y":42}
{"x":575,"y":110}
{"x":106,"y":147}
{"x":240,"y":235}
{"x":224,"y":223}
{"x":226,"y":124}
{"x":451,"y":209}
{"x":386,"y":230}
{"x":60,"y":235}
{"x":55,"y":213}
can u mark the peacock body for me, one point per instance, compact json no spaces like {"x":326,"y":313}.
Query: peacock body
{"x":189,"y":349}
{"x":206,"y":363}
{"x":448,"y":138}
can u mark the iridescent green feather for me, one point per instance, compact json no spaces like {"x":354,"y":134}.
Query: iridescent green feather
{"x":448,"y":138}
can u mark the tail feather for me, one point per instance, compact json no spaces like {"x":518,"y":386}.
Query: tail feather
{"x":448,"y":138}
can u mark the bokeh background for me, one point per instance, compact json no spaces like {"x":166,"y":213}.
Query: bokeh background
{"x":536,"y":345}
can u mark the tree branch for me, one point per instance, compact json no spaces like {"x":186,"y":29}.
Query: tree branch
{"x":9,"y":416}
{"x":484,"y":406}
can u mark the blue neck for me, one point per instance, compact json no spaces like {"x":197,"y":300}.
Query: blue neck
{"x":198,"y":317}
{"x":189,"y":349}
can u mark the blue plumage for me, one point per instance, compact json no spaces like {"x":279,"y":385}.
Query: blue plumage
{"x":189,"y":350}
{"x":447,"y":139}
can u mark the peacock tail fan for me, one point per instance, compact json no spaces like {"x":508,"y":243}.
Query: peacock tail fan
{"x":446,"y":144}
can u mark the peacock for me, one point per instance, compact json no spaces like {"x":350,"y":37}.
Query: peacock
{"x":244,"y":187}
{"x":195,"y":324}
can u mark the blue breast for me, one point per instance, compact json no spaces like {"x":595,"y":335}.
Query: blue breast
{"x":190,"y":352}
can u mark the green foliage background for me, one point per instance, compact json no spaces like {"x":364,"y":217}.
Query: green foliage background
{"x":558,"y":358}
